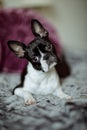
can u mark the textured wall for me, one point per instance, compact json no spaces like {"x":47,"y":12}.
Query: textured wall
{"x":70,"y":19}
{"x":72,"y":22}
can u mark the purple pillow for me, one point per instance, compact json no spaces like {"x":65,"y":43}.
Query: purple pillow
{"x":15,"y":25}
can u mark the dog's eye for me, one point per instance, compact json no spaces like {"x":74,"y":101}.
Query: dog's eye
{"x":48,"y":47}
{"x":35,"y":58}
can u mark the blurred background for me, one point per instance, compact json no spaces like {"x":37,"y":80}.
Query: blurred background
{"x":69,"y":17}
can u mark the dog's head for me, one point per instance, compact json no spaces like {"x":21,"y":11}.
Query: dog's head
{"x":40,"y":52}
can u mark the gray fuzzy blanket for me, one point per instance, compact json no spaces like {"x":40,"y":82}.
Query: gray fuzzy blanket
{"x":50,"y":113}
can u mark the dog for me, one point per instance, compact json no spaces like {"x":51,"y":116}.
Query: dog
{"x":41,"y":77}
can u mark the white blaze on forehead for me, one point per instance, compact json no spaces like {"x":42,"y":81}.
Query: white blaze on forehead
{"x":44,"y":65}
{"x":43,"y":62}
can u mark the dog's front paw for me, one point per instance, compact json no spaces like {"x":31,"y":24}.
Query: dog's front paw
{"x":59,"y":93}
{"x":29,"y":100}
{"x":65,"y":96}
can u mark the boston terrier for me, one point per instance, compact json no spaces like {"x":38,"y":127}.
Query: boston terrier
{"x":41,"y":77}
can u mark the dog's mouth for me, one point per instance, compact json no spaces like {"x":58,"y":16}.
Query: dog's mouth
{"x":52,"y":65}
{"x":47,"y":68}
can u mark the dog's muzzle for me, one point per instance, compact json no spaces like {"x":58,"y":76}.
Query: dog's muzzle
{"x":48,"y":62}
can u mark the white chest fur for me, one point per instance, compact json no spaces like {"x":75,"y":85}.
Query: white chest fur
{"x":38,"y":82}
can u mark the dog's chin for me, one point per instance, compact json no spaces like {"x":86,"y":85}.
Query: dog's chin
{"x":49,"y":67}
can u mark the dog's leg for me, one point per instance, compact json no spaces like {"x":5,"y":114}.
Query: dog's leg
{"x":59,"y":93}
{"x":28,"y":98}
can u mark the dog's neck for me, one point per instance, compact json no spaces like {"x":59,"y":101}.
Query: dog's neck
{"x":31,"y":69}
{"x":33,"y":73}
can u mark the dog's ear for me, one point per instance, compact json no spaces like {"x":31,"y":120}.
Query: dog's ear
{"x":38,"y":29}
{"x":17,"y":47}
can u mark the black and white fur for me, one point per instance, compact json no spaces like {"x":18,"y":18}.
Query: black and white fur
{"x":41,"y":77}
